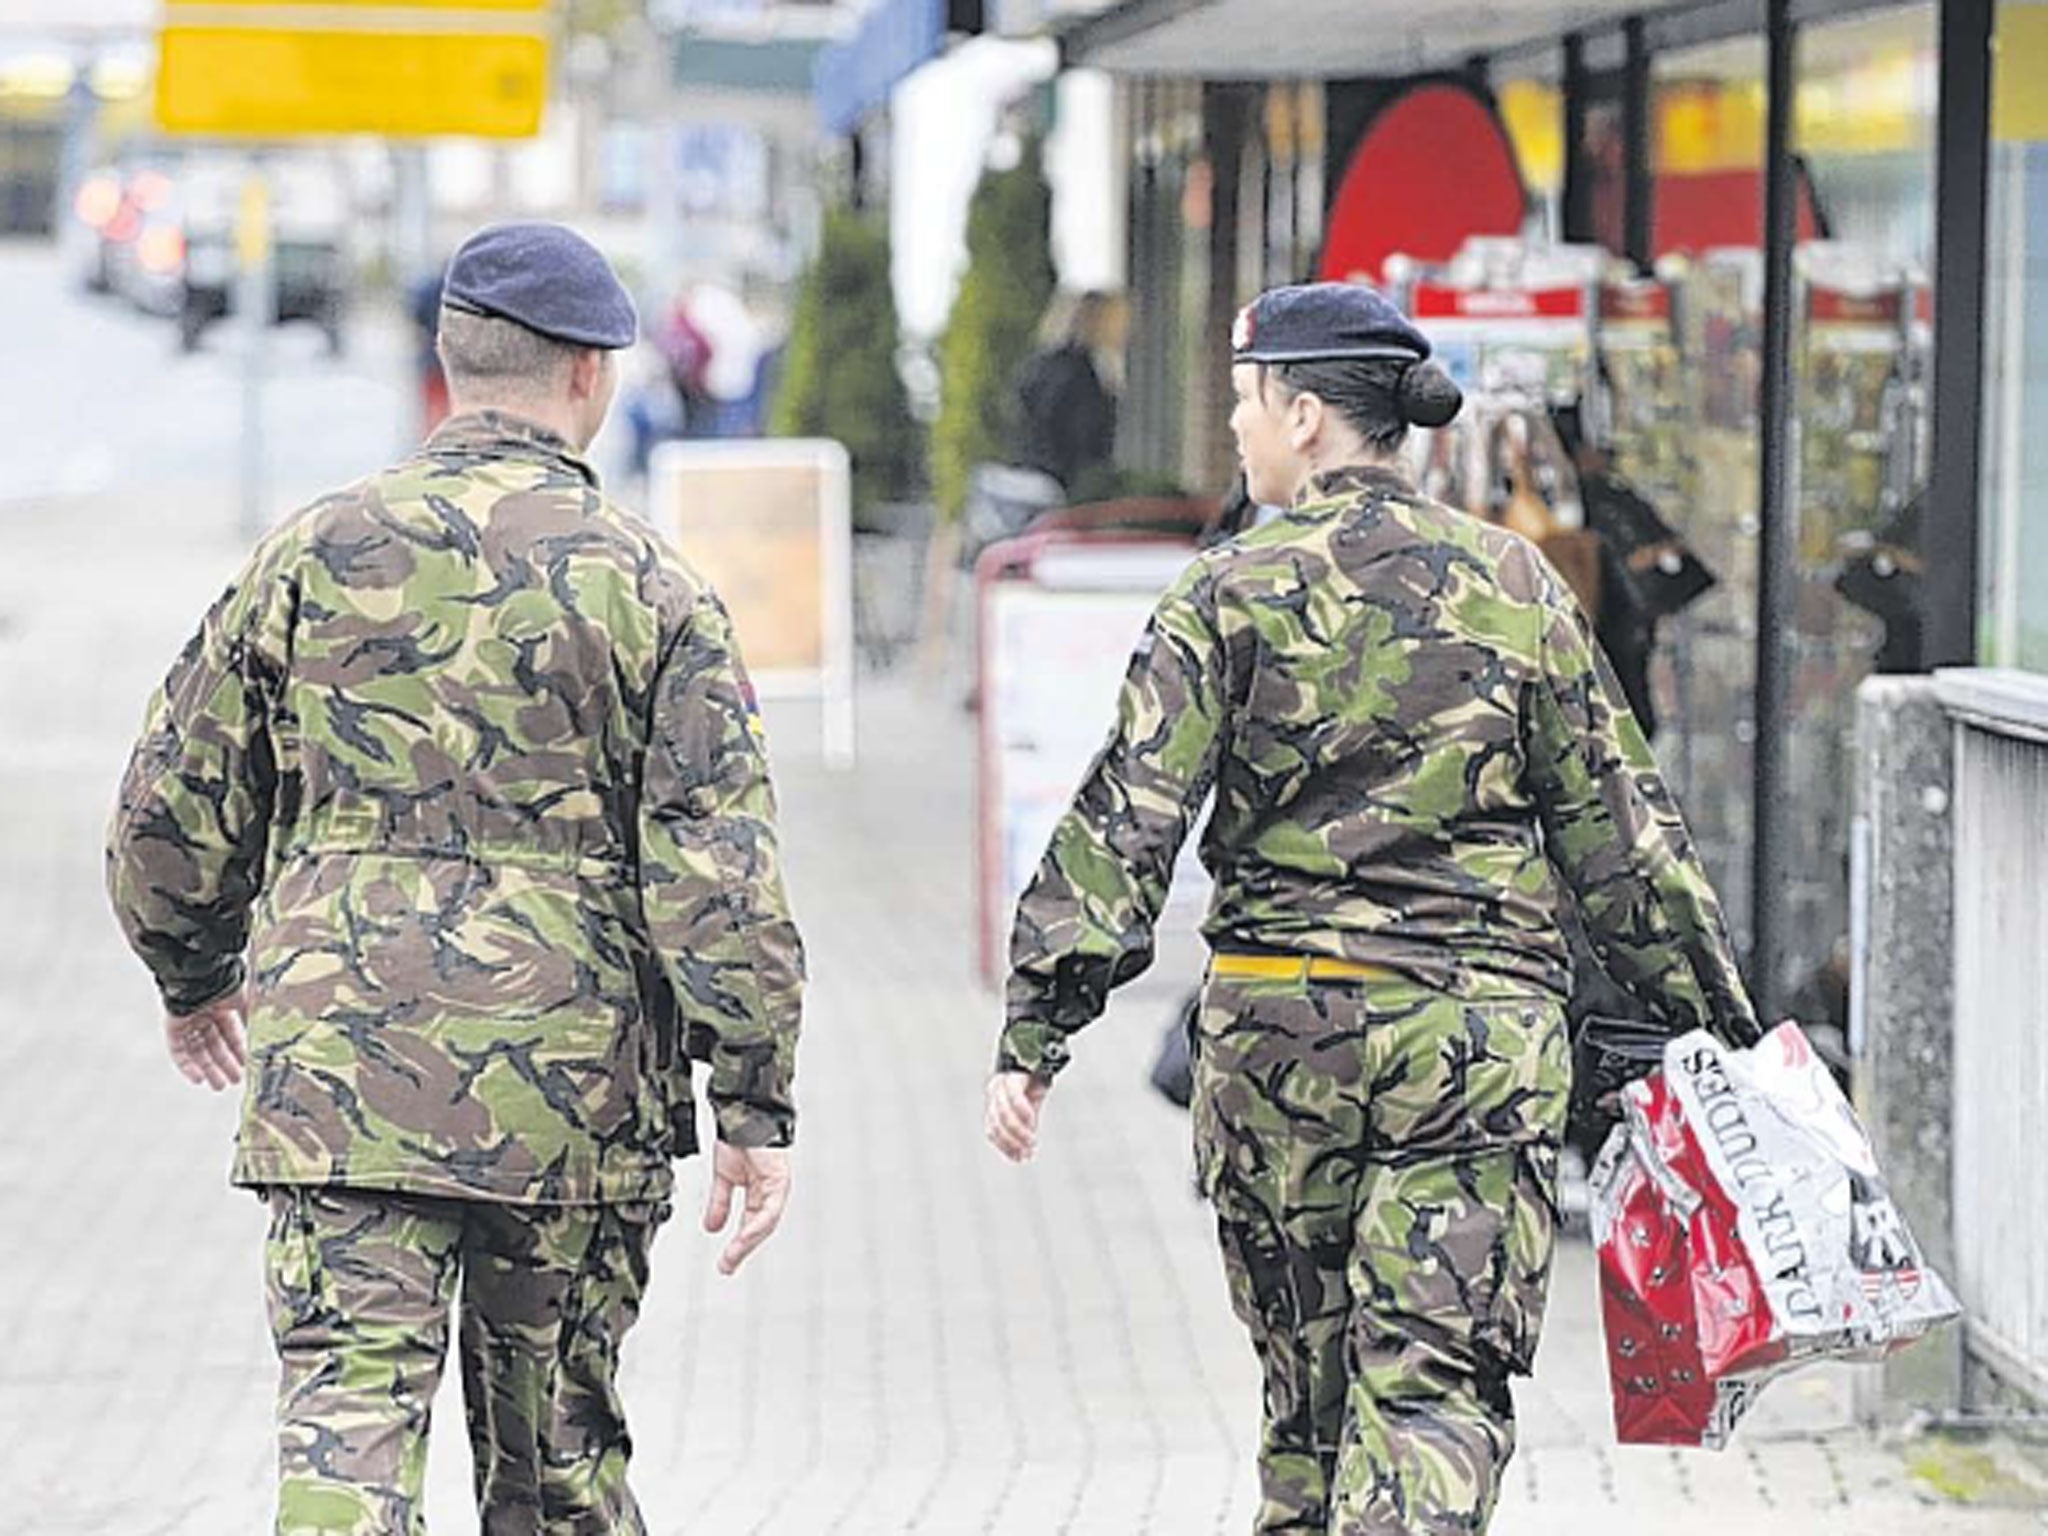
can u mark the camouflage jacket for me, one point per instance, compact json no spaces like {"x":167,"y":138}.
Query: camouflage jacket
{"x":466,"y":764}
{"x":1412,"y":740}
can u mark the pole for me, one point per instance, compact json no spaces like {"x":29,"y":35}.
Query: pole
{"x":1226,"y":124}
{"x":81,"y":127}
{"x":1639,"y":231}
{"x":1777,"y":517}
{"x":412,"y":233}
{"x":1950,"y":524}
{"x":253,"y":302}
{"x":1578,"y":172}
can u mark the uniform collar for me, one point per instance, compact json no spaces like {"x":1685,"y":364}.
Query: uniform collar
{"x":1352,"y":483}
{"x":500,"y":435}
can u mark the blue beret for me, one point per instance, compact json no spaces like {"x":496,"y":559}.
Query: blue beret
{"x":546,"y":278}
{"x":1313,"y":321}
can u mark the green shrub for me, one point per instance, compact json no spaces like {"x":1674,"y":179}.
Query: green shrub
{"x":1008,"y":282}
{"x":839,"y":376}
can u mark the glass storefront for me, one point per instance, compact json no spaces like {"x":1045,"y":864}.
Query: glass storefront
{"x":1862,"y":348}
{"x":1269,"y":200}
{"x":1701,"y":466}
{"x":2014,"y":609}
{"x":1167,"y":182}
{"x":1673,"y":389}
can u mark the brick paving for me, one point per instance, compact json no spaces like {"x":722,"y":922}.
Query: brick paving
{"x":936,"y":1342}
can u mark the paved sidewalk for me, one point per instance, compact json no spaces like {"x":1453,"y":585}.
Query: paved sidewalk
{"x":937,"y":1342}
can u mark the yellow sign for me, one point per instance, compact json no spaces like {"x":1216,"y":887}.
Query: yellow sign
{"x":256,"y":68}
{"x":321,"y":14}
{"x":1533,"y":114}
{"x":1708,"y":126}
{"x":2019,"y":54}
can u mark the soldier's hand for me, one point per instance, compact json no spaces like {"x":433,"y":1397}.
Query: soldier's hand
{"x":761,"y":1176}
{"x":1013,"y":1102}
{"x":207,"y":1044}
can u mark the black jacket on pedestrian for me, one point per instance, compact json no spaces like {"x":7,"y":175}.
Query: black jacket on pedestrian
{"x":1065,"y":415}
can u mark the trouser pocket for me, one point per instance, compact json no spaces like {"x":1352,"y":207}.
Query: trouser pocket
{"x":1455,"y":1251}
{"x":1526,"y":1246}
{"x":1261,"y":1083}
{"x":291,"y":1262}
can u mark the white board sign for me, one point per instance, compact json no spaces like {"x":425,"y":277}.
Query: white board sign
{"x":769,"y":523}
{"x":1055,"y":646}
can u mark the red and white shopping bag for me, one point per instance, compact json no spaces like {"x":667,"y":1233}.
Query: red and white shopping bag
{"x":1743,"y":1229}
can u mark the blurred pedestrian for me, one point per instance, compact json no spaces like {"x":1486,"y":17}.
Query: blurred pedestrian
{"x":423,"y":308}
{"x":1647,"y":571}
{"x":1416,"y":753}
{"x":458,"y":803}
{"x":687,"y":350}
{"x":1064,"y":411}
{"x":733,"y":368}
{"x":648,"y":400}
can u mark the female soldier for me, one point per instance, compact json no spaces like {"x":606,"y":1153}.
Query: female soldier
{"x":1415,"y":750}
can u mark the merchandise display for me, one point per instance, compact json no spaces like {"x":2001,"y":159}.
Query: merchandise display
{"x":1642,"y":394}
{"x":1514,"y":352}
{"x":1709,"y":738}
{"x":1514,"y":326}
{"x":1643,"y":406}
{"x":1664,"y":375}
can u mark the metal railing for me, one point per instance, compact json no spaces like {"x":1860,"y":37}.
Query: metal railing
{"x":2000,"y":1127}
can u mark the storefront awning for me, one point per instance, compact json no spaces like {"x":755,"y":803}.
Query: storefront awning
{"x":773,"y":66}
{"x":1264,"y":39}
{"x":855,"y":77}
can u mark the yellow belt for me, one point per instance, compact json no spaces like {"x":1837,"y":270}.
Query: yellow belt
{"x":1297,"y":968}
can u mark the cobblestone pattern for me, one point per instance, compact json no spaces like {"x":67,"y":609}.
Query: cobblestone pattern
{"x":937,"y":1342}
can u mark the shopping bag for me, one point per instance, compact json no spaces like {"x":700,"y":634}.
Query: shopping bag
{"x":1743,"y":1230}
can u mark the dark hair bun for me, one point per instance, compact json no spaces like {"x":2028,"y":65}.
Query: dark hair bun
{"x":1426,"y":397}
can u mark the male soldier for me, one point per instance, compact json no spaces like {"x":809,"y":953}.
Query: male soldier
{"x":466,"y":762}
{"x":1412,"y":740}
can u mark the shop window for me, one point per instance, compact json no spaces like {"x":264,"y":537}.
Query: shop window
{"x":1699,"y":449}
{"x":1532,"y":110}
{"x":2015,"y":525}
{"x":1862,"y":348}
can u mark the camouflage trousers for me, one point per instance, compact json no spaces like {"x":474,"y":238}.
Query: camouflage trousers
{"x":1383,"y":1163}
{"x":362,"y":1285}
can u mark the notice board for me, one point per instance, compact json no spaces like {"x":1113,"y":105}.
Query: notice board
{"x":768,"y":522}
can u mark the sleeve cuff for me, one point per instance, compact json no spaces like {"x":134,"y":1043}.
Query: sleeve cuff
{"x":1029,"y":1045}
{"x":1739,"y":1027}
{"x":188,"y":994}
{"x":752,"y":1125}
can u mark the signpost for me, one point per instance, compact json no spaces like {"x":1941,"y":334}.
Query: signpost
{"x":254,"y":298}
{"x":263,"y":70}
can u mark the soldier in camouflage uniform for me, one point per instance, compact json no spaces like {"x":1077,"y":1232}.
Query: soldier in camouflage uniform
{"x":459,"y":798}
{"x":1416,"y":751}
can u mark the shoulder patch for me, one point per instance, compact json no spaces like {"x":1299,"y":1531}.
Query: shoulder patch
{"x":750,"y":701}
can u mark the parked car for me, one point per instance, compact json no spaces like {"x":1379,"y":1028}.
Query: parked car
{"x":113,"y":202}
{"x":307,"y":277}
{"x":308,"y":259}
{"x":148,"y":269}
